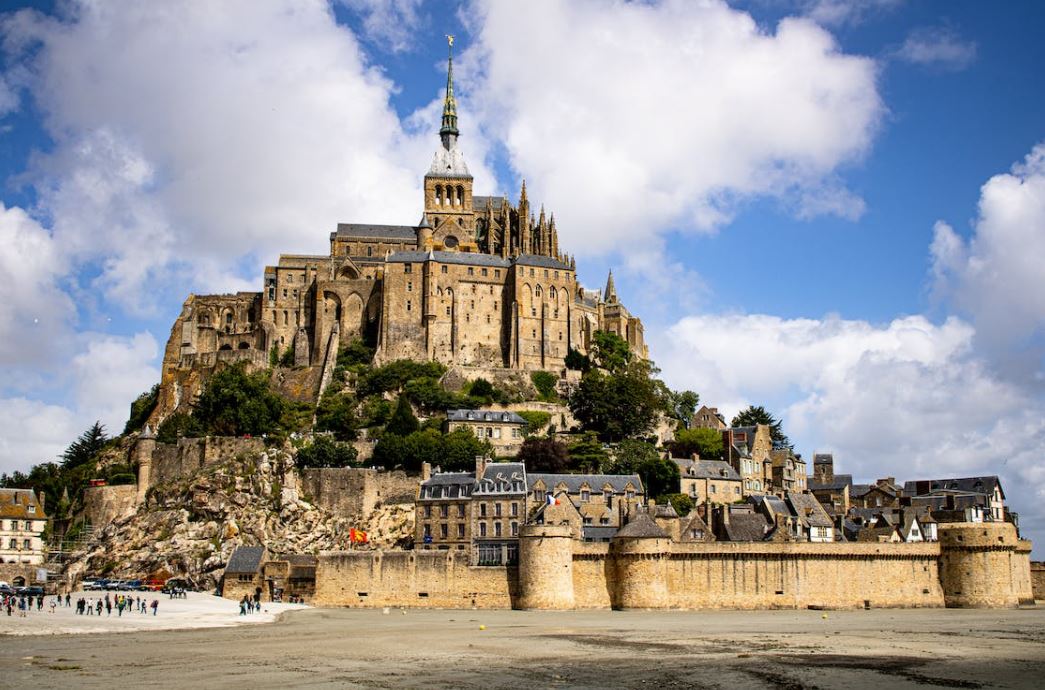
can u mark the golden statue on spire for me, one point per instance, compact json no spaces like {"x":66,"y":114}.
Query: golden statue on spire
{"x":450,"y":40}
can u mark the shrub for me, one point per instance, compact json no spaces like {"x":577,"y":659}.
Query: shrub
{"x":141,"y":408}
{"x":177,"y":425}
{"x":545,"y":382}
{"x":336,"y":413}
{"x":682,"y":503}
{"x":326,"y":452}
{"x":403,"y":422}
{"x":705,"y":442}
{"x":543,"y":455}
{"x":535,"y":420}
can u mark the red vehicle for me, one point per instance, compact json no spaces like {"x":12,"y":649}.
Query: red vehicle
{"x":96,"y":482}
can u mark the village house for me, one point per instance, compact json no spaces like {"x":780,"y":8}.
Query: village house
{"x":708,"y":418}
{"x":498,"y":509}
{"x":443,"y":510}
{"x":789,"y":470}
{"x":705,"y":481}
{"x":244,"y":574}
{"x":989,"y":487}
{"x":503,"y":430}
{"x":747,"y":450}
{"x":22,"y":524}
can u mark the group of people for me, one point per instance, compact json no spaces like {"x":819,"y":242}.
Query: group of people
{"x":250,"y":604}
{"x":119,"y":602}
{"x":23,"y":603}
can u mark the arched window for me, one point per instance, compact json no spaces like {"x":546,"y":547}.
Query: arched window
{"x":460,"y":195}
{"x":286,"y":317}
{"x":244,"y":346}
{"x":439,"y":195}
{"x":551,"y":293}
{"x":538,"y":292}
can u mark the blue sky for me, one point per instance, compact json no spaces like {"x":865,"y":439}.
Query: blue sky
{"x":834,"y":209}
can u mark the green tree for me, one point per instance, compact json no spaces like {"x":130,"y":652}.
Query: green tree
{"x":630,"y":455}
{"x":336,"y":413}
{"x":86,"y":447}
{"x":543,"y":454}
{"x":610,"y":352}
{"x":544,"y":382}
{"x":577,"y":361}
{"x":624,"y":404}
{"x":177,"y":425}
{"x":141,"y":408}
{"x":460,"y":448}
{"x":682,"y":503}
{"x":481,"y":388}
{"x":355,"y":354}
{"x":587,"y":454}
{"x":758,"y":415}
{"x":660,"y":476}
{"x":235,"y":403}
{"x":324,"y":451}
{"x":682,"y":405}
{"x":535,"y":420}
{"x":403,"y":422}
{"x":707,"y":443}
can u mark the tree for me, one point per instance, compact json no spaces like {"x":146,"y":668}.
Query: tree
{"x":336,"y":413}
{"x":587,"y":454}
{"x":235,"y":403}
{"x":535,"y":420}
{"x":543,"y":455}
{"x":460,"y":448}
{"x":660,"y":476}
{"x":141,"y":408}
{"x":682,"y":503}
{"x":454,"y":451}
{"x":707,"y":443}
{"x":577,"y":361}
{"x":481,"y":388}
{"x":682,"y":405}
{"x":326,"y":452}
{"x":610,"y":352}
{"x":177,"y":425}
{"x":403,"y":422}
{"x":621,"y":405}
{"x":86,"y":447}
{"x":356,"y":353}
{"x":545,"y":382}
{"x":758,"y":415}
{"x":631,"y":455}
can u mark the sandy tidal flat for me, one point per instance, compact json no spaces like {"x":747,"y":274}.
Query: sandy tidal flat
{"x":338,"y":648}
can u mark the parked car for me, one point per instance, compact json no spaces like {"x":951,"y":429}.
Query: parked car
{"x":95,"y":584}
{"x":34,"y":591}
{"x":6,"y":590}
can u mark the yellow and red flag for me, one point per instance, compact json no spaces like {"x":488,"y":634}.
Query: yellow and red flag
{"x":358,"y":536}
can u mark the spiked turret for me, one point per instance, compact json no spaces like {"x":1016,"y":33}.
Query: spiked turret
{"x":610,"y":296}
{"x":448,"y":132}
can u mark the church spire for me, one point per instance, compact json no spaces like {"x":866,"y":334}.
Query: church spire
{"x":448,"y":132}
{"x":610,"y":296}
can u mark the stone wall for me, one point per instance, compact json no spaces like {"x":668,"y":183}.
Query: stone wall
{"x":355,"y":492}
{"x":104,"y":504}
{"x":11,"y":572}
{"x":173,"y":461}
{"x":1037,"y":576}
{"x":655,"y":573}
{"x":411,"y":578}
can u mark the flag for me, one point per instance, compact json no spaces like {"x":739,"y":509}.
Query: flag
{"x":358,"y":536}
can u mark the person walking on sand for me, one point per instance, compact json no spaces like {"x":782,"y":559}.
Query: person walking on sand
{"x":243,"y":606}
{"x":155,"y":605}
{"x":68,"y":598}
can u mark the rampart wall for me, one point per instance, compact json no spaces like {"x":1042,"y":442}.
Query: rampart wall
{"x":104,"y":504}
{"x":171,"y":461}
{"x":1037,"y":576}
{"x":353,"y":491}
{"x":555,"y":572}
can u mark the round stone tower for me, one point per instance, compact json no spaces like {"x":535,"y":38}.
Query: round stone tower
{"x":640,"y":553}
{"x":976,"y":564}
{"x":545,"y":567}
{"x":142,"y":455}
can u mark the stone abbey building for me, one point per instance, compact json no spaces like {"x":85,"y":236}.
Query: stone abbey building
{"x":477,"y":282}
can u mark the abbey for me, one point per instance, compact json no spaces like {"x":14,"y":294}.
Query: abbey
{"x":477,"y":282}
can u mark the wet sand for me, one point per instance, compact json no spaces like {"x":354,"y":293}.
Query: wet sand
{"x":520,"y":649}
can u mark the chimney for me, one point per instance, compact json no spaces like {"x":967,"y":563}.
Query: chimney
{"x":694,"y":456}
{"x":480,"y":466}
{"x":426,"y":471}
{"x":41,"y":498}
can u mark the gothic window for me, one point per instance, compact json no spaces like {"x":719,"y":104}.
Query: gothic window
{"x":537,"y":291}
{"x":442,"y":269}
{"x":439,"y":195}
{"x":460,"y":195}
{"x":551,"y":293}
{"x":286,"y":318}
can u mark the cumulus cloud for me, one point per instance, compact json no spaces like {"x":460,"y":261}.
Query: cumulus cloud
{"x":996,"y":275}
{"x":8,"y":97}
{"x":32,"y":432}
{"x":907,"y":399}
{"x":207,"y":136}
{"x":938,"y":47}
{"x":839,"y":13}
{"x":389,"y":24}
{"x":668,"y":114}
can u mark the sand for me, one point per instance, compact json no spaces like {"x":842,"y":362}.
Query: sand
{"x":328,"y":648}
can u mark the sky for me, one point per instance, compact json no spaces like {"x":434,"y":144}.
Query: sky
{"x":833,"y":209}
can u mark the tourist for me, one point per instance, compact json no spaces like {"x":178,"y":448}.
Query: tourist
{"x":99,"y":607}
{"x":68,"y":598}
{"x":155,"y":605}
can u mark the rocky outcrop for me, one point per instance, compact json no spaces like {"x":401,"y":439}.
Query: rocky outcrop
{"x":190,"y":527}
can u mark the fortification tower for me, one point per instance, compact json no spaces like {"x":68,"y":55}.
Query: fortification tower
{"x":640,"y":552}
{"x":142,"y":456}
{"x":545,"y":567}
{"x":977,"y":565}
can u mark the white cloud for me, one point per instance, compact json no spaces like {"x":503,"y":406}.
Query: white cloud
{"x":846,"y":12}
{"x":997,"y":276}
{"x":9,"y":100}
{"x":35,"y":314}
{"x":908,"y":399}
{"x":937,"y":46}
{"x":32,"y":432}
{"x":111,"y":372}
{"x":388,"y":23}
{"x":629,"y":119}
{"x":212,"y":135}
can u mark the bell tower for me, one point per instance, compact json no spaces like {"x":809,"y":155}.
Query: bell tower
{"x":448,"y":184}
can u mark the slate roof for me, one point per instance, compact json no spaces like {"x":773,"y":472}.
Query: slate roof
{"x":641,"y":527}
{"x":706,"y":469}
{"x":746,"y":527}
{"x":823,"y":458}
{"x":979,"y":485}
{"x":598,"y":533}
{"x":448,"y":485}
{"x":806,"y":506}
{"x":383,"y":232}
{"x":666,"y":511}
{"x":839,"y":482}
{"x":14,"y":504}
{"x":542,"y":262}
{"x":245,"y":559}
{"x":462,"y":258}
{"x":502,"y":478}
{"x":574,"y":482}
{"x":479,"y":202}
{"x":500,"y":416}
